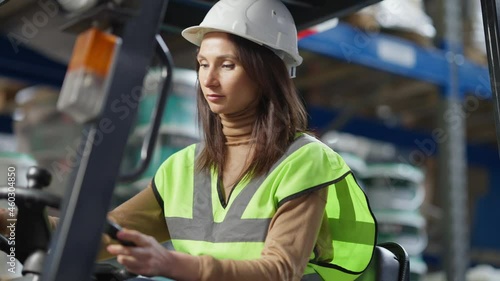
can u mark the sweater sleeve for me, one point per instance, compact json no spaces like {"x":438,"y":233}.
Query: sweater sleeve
{"x":290,"y":240}
{"x":142,"y":213}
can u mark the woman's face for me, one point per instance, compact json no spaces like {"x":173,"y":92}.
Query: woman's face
{"x":225,"y":84}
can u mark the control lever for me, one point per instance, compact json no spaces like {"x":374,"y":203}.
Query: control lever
{"x":111,"y":228}
{"x":108,"y":272}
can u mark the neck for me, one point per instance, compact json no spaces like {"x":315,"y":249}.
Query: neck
{"x":237,"y":127}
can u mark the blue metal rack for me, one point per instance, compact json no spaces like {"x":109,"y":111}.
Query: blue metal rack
{"x":24,"y":64}
{"x":476,"y":154}
{"x":397,"y":56}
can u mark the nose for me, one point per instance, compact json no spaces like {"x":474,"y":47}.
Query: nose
{"x":209,"y":77}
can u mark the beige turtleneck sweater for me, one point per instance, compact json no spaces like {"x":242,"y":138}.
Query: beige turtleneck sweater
{"x":237,"y":128}
{"x":292,"y":233}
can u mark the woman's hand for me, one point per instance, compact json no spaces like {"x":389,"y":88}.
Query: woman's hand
{"x":148,"y":257}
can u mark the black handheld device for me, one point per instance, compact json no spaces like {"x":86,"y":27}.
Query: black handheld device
{"x":111,"y":228}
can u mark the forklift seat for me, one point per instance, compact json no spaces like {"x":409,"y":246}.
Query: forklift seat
{"x":390,"y":262}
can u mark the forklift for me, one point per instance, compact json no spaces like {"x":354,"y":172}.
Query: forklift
{"x":125,"y":29}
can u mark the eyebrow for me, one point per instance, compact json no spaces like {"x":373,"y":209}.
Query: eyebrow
{"x":228,"y":56}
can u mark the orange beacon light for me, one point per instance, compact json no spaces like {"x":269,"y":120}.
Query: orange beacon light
{"x":86,"y":83}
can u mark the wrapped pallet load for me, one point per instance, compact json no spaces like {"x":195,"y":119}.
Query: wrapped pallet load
{"x":403,"y":18}
{"x":474,"y":39}
{"x":396,"y":192}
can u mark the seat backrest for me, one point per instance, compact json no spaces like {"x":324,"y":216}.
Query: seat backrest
{"x":390,"y":262}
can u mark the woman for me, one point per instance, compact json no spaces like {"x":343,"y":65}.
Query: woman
{"x":249,"y":202}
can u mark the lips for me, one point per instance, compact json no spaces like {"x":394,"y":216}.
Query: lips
{"x":214,"y":98}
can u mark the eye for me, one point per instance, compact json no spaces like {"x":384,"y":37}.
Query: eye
{"x":228,"y":66}
{"x":203,"y":65}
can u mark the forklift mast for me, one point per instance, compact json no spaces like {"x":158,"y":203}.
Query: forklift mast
{"x":491,"y":21}
{"x":75,"y":243}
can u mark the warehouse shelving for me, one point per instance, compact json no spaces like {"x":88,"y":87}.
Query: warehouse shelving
{"x":398,"y":56}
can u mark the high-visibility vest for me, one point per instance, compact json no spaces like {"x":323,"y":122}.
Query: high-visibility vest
{"x":199,"y":225}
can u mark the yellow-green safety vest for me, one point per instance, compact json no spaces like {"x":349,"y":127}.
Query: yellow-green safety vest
{"x":200,"y":225}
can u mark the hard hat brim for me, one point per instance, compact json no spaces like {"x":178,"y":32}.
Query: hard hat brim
{"x":195,"y":34}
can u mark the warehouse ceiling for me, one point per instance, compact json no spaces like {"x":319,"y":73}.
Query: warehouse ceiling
{"x":182,"y":13}
{"x":351,"y":90}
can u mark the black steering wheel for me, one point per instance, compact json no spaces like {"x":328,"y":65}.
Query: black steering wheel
{"x":33,"y":232}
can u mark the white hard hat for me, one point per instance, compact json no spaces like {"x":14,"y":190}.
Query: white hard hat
{"x":265,"y":22}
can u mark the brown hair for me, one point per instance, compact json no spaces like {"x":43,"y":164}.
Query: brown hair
{"x":280,"y":112}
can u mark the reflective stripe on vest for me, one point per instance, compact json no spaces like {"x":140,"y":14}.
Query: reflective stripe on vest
{"x":199,"y":225}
